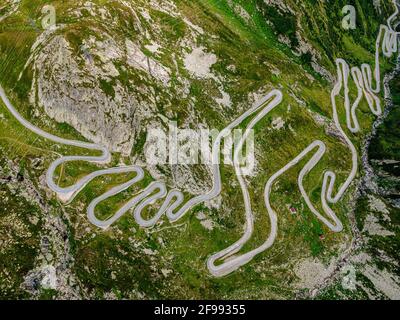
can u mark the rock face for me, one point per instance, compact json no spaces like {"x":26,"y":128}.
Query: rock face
{"x":199,"y":63}
{"x":73,"y":94}
{"x":53,"y":261}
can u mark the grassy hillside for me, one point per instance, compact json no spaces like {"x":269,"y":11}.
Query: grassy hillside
{"x":258,"y":47}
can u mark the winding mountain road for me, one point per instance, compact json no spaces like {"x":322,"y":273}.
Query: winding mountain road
{"x":172,"y":207}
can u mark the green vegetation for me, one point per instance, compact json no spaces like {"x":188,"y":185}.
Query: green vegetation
{"x":168,"y":261}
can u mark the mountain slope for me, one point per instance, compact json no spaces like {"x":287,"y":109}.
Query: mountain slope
{"x":109,"y":72}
